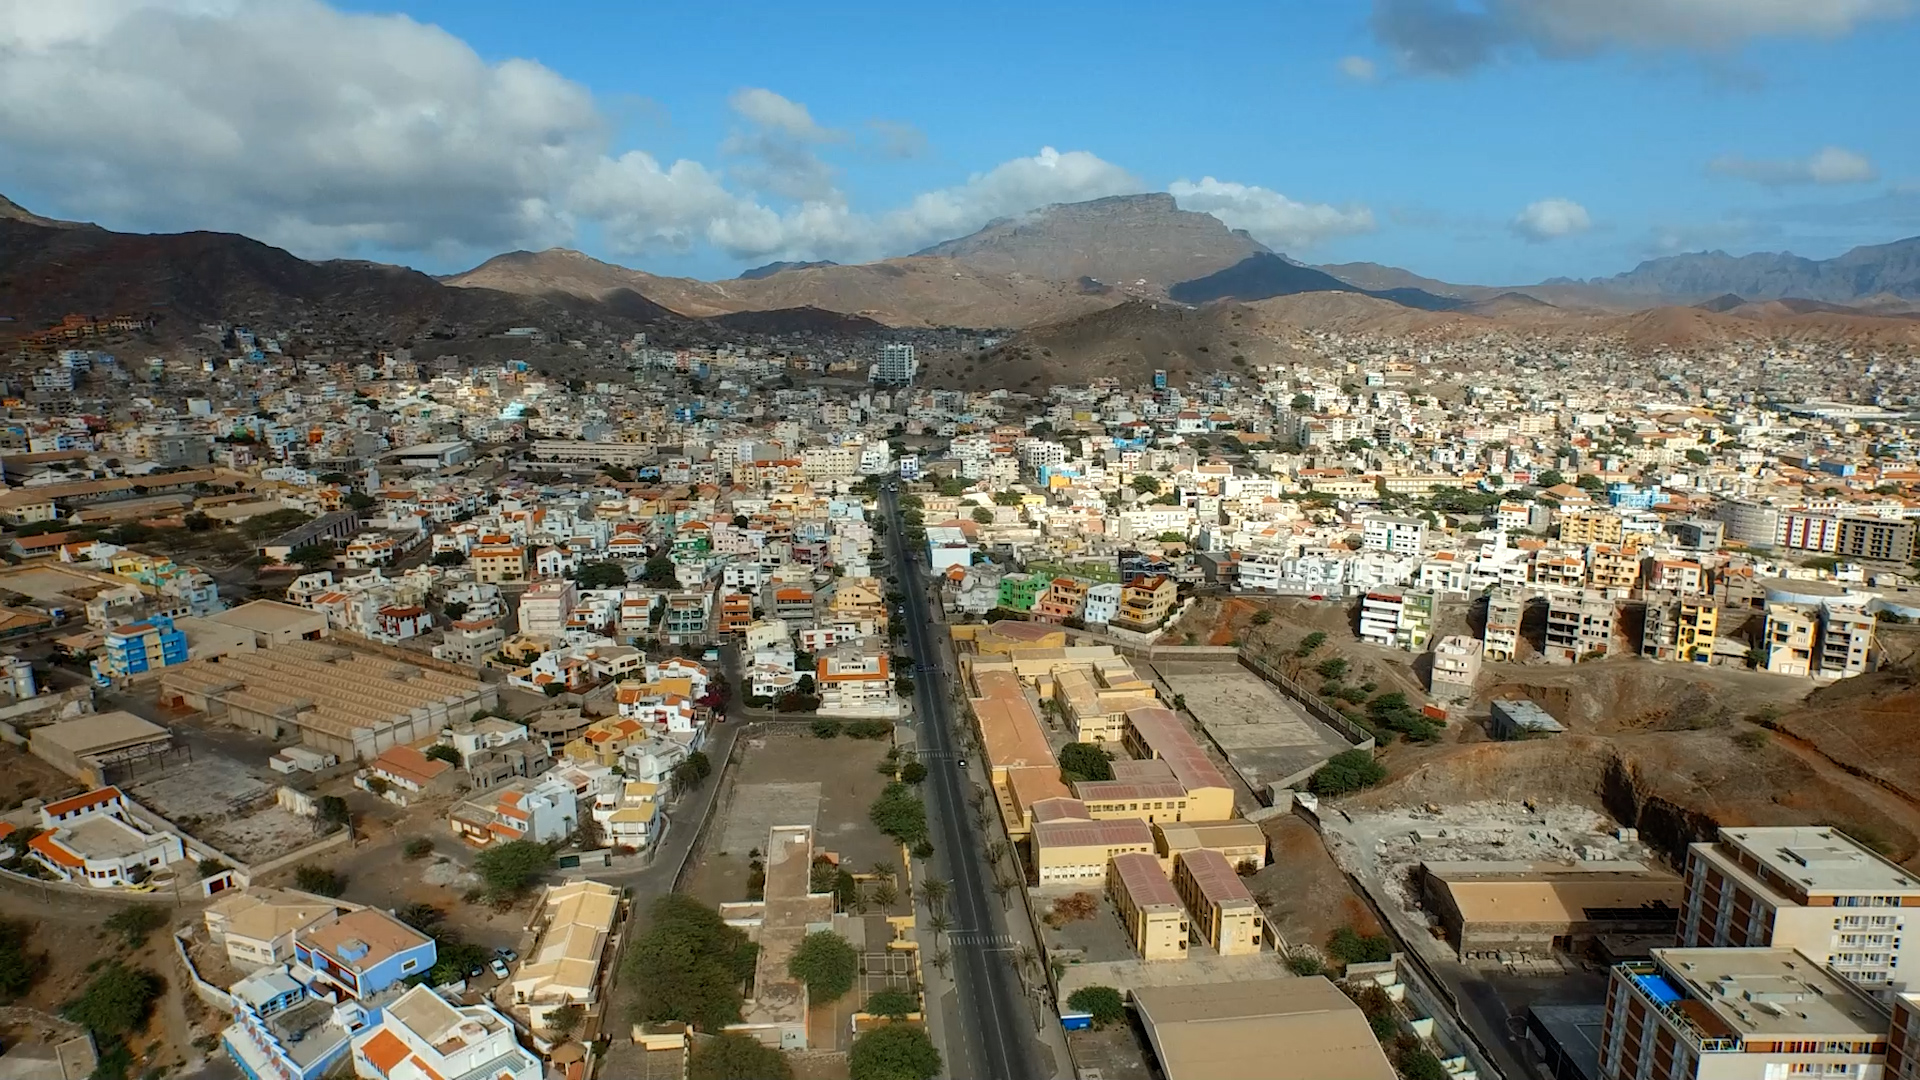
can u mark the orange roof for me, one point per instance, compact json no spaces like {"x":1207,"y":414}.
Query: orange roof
{"x":81,"y":802}
{"x":409,"y":764}
{"x":384,"y":1051}
{"x":45,"y":845}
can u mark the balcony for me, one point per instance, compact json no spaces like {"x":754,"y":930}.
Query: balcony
{"x":1697,"y":1024}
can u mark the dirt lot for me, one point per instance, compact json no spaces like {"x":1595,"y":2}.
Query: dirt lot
{"x":794,"y":779}
{"x":23,"y":777}
{"x":1310,"y":896}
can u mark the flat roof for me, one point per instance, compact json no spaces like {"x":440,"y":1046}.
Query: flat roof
{"x":1757,"y":993}
{"x":104,"y":837}
{"x":1821,"y":859}
{"x":1553,"y":894}
{"x":381,"y":934}
{"x":1260,"y":1029}
{"x":101,"y":731}
{"x":267,"y":616}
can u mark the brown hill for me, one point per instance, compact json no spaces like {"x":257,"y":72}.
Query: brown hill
{"x":1128,"y":342}
{"x":1359,"y":313}
{"x":1124,"y":240}
{"x":186,"y":279}
{"x":918,"y":291}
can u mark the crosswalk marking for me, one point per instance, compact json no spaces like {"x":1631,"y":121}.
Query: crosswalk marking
{"x":981,"y":937}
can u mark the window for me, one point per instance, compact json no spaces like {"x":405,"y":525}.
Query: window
{"x":409,"y":965}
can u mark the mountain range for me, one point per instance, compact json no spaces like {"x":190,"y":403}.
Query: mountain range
{"x":1078,"y":278}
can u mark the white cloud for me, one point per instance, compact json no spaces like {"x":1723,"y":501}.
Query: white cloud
{"x":337,"y":133}
{"x":1358,"y":68}
{"x":1445,"y":37}
{"x":898,"y":139}
{"x":1828,"y":165}
{"x":1551,"y":219}
{"x":1272,"y":218}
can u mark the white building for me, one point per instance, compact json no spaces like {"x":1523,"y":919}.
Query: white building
{"x":1401,"y":536}
{"x":94,"y":840}
{"x":899,"y":364}
{"x":421,"y":1036}
{"x":1103,"y":603}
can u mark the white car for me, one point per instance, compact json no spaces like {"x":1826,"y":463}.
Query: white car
{"x":499,"y":967}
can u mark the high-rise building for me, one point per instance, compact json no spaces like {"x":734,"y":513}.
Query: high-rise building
{"x":898,"y":364}
{"x":1810,"y":888}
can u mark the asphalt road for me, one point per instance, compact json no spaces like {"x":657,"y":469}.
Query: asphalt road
{"x":996,"y":1036}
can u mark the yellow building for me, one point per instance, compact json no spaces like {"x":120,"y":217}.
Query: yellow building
{"x":1146,"y":602}
{"x":496,"y":565}
{"x":1148,"y":907}
{"x":606,"y":739}
{"x":1610,"y":567}
{"x":1094,"y":699}
{"x":1156,"y":733}
{"x":1069,"y":849}
{"x":1591,"y":527}
{"x":1227,"y":916}
{"x":1236,"y":841}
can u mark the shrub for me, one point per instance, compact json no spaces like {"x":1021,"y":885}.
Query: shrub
{"x":116,"y":1001}
{"x":899,"y":813}
{"x":1305,"y":964}
{"x":19,"y":967}
{"x":732,"y":1056}
{"x":913,"y":772}
{"x":1349,"y":946}
{"x":418,"y":848}
{"x":824,"y":728}
{"x":1752,"y":739}
{"x":1331,"y":668}
{"x":893,"y":1052}
{"x":1084,"y":761}
{"x":892,"y":1002}
{"x":1347,"y":772}
{"x":1103,"y":1002}
{"x":133,"y":924}
{"x":318,"y":880}
{"x":1309,"y":643}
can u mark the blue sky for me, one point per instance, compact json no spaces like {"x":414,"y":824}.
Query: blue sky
{"x":1498,"y":141}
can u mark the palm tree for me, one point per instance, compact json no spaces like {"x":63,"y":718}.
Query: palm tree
{"x":882,"y":870}
{"x":939,"y":922}
{"x":934,"y":892}
{"x":941,"y":958}
{"x":996,"y":851}
{"x":1025,"y":956}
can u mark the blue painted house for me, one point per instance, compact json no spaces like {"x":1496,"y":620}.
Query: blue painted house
{"x":363,"y":952}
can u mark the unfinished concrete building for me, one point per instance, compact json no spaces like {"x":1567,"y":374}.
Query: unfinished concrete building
{"x":1579,"y":628}
{"x":339,"y":700}
{"x":1501,"y":640}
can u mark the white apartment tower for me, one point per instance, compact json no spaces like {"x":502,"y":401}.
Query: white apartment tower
{"x":898,"y":364}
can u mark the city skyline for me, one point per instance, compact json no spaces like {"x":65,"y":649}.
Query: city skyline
{"x":1503,"y":144}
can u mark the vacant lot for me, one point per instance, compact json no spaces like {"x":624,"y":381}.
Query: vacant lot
{"x":1267,"y":738}
{"x":1305,"y":895}
{"x":792,"y":778}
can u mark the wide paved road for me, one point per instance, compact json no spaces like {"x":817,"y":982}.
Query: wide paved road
{"x":996,"y":1035}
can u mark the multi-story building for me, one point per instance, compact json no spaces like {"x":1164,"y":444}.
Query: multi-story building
{"x":1227,"y":916}
{"x":1501,"y":639}
{"x":139,"y":648}
{"x":1846,"y":639}
{"x":1397,"y":620}
{"x":1068,"y":846}
{"x":1399,"y":535}
{"x":1683,"y":576}
{"x":1591,"y":527}
{"x":1612,"y":570}
{"x":1456,"y":667}
{"x":1749,"y":523}
{"x":497,"y":564}
{"x":361,"y":954}
{"x":1019,"y":592}
{"x":1810,"y":888}
{"x":1876,"y":539}
{"x":899,"y":364}
{"x":1149,"y":908}
{"x":545,"y":607}
{"x":95,"y":840}
{"x":422,"y":1036}
{"x":1680,"y":629}
{"x":1787,"y":640}
{"x":855,"y":681}
{"x":1103,"y":603}
{"x":1064,"y":598}
{"x":1738,"y":1014}
{"x":1578,"y":628}
{"x":541,"y":810}
{"x":1145,"y":603}
{"x":565,"y":962}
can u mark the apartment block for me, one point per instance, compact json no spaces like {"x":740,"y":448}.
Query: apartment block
{"x":1738,"y":1014}
{"x":137,"y":649}
{"x":1787,"y":640}
{"x":496,"y":565}
{"x":1397,"y":620}
{"x":1578,"y":628}
{"x":1501,"y":639}
{"x":1151,"y":911}
{"x":1876,"y":539}
{"x":1456,"y":667}
{"x":1810,"y":888}
{"x":1591,"y":527}
{"x":1227,"y":916}
{"x":1611,"y":569}
{"x":1145,"y":603}
{"x":1680,"y":629}
{"x":1846,"y":639}
{"x":1399,"y":535}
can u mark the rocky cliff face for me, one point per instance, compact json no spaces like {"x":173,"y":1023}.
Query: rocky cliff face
{"x":1119,"y":240}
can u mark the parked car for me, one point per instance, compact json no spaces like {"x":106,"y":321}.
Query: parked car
{"x":507,"y":954}
{"x":499,"y":967}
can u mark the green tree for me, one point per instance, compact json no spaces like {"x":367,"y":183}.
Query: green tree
{"x":1309,"y":643}
{"x":892,"y":1002}
{"x":732,"y":1056}
{"x":1300,"y":403}
{"x":899,"y":813}
{"x":688,"y":966}
{"x":1550,"y":478}
{"x":443,"y":752}
{"x":1102,"y":1002}
{"x":134,"y":923}
{"x":318,"y":880}
{"x":1084,"y":761}
{"x":448,"y":558}
{"x":982,"y":515}
{"x":1590,"y":482}
{"x":913,"y":772}
{"x":659,"y":572}
{"x":1144,"y":484}
{"x":1420,"y":1064}
{"x":893,"y":1052}
{"x":1331,"y":668}
{"x":116,"y":1002}
{"x":1697,"y":456}
{"x":19,"y":966}
{"x":600,"y":575}
{"x":564,"y":1021}
{"x":332,"y":812}
{"x":510,"y":869}
{"x":358,"y":500}
{"x":422,"y":916}
{"x":1346,"y":772}
{"x":454,"y":610}
{"x":827,"y":964}
{"x":1349,"y":946}
{"x":311,"y":555}
{"x":1262,"y":618}
{"x":903,"y":685}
